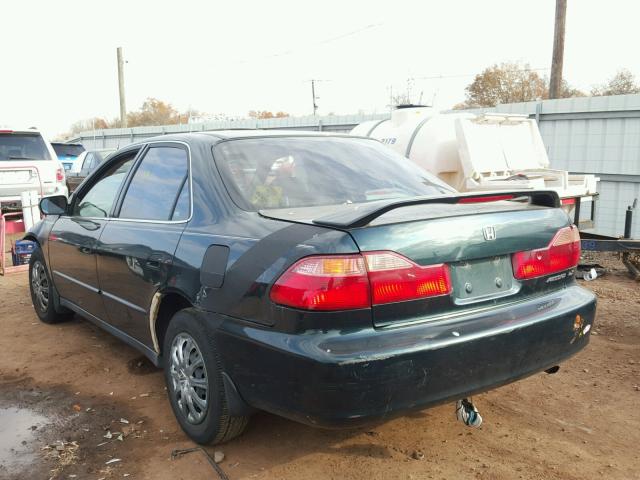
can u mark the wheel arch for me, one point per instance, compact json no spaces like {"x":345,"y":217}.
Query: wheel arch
{"x":164,"y":305}
{"x":31,"y":237}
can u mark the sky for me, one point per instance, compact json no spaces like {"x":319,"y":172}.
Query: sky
{"x":59,"y":57}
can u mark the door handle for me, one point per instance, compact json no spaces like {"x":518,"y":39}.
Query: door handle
{"x":153,"y":264}
{"x":86,"y":250}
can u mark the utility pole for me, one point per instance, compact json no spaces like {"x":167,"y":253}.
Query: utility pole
{"x":555,"y":84}
{"x":123,"y":107}
{"x":313,"y":95}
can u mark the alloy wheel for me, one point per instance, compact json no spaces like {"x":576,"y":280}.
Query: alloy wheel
{"x":189,"y":383}
{"x":40,"y":285}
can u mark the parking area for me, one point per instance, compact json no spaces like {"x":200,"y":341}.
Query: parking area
{"x":80,"y":402}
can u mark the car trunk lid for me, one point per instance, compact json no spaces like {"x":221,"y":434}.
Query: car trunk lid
{"x":475,"y":241}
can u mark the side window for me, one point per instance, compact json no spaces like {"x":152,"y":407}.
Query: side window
{"x":88,"y":160}
{"x":181,"y":210}
{"x":98,"y":200}
{"x":157,"y":185}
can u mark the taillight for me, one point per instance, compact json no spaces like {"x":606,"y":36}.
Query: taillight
{"x":59,"y":175}
{"x":324,"y":283}
{"x":562,"y":253}
{"x":345,"y":282}
{"x":395,"y":278}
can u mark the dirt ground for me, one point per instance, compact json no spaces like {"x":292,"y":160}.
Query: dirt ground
{"x":68,"y":391}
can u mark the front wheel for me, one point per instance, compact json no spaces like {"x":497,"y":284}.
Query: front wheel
{"x":43,"y":293}
{"x":194,"y":382}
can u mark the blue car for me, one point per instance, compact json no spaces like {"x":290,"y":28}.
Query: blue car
{"x":67,"y":153}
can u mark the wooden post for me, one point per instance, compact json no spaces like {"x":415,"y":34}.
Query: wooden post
{"x":123,"y":107}
{"x":555,"y":84}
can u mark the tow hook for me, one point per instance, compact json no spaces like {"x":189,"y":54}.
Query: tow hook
{"x":467,"y":413}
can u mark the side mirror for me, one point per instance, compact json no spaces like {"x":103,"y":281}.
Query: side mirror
{"x":56,"y":205}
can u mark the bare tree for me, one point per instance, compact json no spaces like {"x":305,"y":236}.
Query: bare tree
{"x":505,"y":83}
{"x":266,"y":114}
{"x":510,"y":83}
{"x":622,"y":83}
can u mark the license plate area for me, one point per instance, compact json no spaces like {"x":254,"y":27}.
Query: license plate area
{"x":11,"y":177}
{"x":483,"y":279}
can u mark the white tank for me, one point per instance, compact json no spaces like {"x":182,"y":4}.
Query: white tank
{"x":476,"y":152}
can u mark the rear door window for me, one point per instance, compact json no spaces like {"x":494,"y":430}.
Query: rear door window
{"x":158,"y":186}
{"x":23,"y":146}
{"x":87,"y":165}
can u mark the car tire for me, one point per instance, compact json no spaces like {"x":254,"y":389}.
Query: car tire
{"x":194,"y":379}
{"x":44,"y":296}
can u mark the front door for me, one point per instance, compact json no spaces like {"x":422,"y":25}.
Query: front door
{"x":137,"y":247}
{"x":74,"y":238}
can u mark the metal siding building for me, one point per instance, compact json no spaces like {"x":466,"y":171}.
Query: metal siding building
{"x":120,"y":137}
{"x":599,"y":135}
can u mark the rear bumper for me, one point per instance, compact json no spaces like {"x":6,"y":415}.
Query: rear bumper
{"x":343,"y":378}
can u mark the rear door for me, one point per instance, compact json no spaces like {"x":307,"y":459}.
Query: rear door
{"x":74,"y":237}
{"x":137,"y":247}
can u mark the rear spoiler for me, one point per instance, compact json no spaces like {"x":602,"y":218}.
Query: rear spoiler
{"x":363,"y":214}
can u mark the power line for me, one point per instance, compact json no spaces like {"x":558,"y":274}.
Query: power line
{"x":287,"y":53}
{"x":462,"y":75}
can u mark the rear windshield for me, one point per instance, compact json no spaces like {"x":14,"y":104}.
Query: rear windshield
{"x":23,"y":146}
{"x":266,"y":173}
{"x":67,"y":150}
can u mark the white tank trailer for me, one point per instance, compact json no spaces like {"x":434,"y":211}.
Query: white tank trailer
{"x":481,"y":152}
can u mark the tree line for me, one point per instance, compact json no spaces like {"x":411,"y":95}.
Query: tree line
{"x":156,"y":112}
{"x":507,"y":82}
{"x":513,"y":83}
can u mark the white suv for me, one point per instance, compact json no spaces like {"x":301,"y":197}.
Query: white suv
{"x":28,"y":162}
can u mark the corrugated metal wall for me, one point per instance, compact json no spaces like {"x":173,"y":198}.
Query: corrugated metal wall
{"x":598,"y":135}
{"x":120,"y":137}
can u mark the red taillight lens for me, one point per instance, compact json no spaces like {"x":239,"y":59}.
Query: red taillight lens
{"x":324,"y":283}
{"x":59,"y":175}
{"x":394,"y":278}
{"x":562,"y":253}
{"x":345,"y":282}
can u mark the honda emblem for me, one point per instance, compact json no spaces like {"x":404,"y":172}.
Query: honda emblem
{"x":489,"y":233}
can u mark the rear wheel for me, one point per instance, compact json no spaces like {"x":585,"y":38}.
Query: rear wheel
{"x":43,"y":294}
{"x":194,"y":382}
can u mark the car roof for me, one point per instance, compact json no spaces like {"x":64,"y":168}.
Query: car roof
{"x":6,"y":129}
{"x":215,"y":136}
{"x":244,"y":133}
